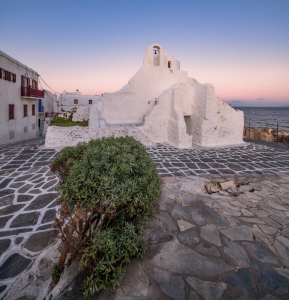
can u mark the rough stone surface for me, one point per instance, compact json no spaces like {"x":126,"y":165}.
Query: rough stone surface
{"x":189,"y":200}
{"x":8,"y":200}
{"x":173,"y":286}
{"x":10,"y":209}
{"x":260,"y":253}
{"x":208,"y":289}
{"x":39,"y":241}
{"x":136,"y":282}
{"x":283,"y":272}
{"x":156,"y":234}
{"x":283,"y":240}
{"x":184,"y":225}
{"x":193,"y":296}
{"x":272,"y":222}
{"x":208,"y":249}
{"x":4,"y":220}
{"x":227,"y":185}
{"x":171,"y":255}
{"x":270,"y":279}
{"x":167,"y":221}
{"x":166,"y":203}
{"x":4,"y":245}
{"x":285,"y":232}
{"x":268,"y":229}
{"x":280,"y":220}
{"x":180,"y":212}
{"x":49,"y":216}
{"x":197,"y":217}
{"x":214,"y":217}
{"x":210,"y":233}
{"x":24,"y":198}
{"x":235,"y":251}
{"x":14,"y":265}
{"x":242,"y":279}
{"x":189,"y":238}
{"x":41,"y":201}
{"x":23,"y":220}
{"x":238,"y":233}
{"x":270,"y":297}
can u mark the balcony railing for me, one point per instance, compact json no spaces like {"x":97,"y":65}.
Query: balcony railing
{"x":51,"y":114}
{"x":30,"y":92}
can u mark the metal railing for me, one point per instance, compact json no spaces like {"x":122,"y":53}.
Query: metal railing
{"x":51,"y":114}
{"x":31,"y":92}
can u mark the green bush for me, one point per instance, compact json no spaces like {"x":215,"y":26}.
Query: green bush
{"x":111,"y":186}
{"x":58,"y":121}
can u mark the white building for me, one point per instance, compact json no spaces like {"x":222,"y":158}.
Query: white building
{"x":49,"y":105}
{"x":68,"y":101}
{"x":159,"y":104}
{"x":21,"y":102}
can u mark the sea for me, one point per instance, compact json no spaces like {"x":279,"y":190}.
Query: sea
{"x":266,"y":117}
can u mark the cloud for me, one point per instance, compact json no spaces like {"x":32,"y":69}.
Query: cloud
{"x":260,"y":99}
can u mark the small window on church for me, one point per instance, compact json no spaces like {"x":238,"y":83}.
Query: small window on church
{"x":169,"y":64}
{"x":75,"y":101}
{"x":90,"y":101}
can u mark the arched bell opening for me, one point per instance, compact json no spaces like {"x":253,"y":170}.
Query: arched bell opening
{"x":156,"y":55}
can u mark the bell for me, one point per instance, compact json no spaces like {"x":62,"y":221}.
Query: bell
{"x":155,"y":51}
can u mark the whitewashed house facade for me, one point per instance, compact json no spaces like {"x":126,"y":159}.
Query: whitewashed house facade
{"x":22,"y":104}
{"x":69,"y":100}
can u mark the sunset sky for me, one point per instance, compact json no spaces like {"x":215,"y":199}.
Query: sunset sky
{"x":241,"y":47}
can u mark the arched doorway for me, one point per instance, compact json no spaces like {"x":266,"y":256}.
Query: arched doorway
{"x":156,"y":54}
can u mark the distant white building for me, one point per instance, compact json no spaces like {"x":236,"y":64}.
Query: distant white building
{"x":22,"y":104}
{"x":68,"y":101}
{"x":48,"y":111}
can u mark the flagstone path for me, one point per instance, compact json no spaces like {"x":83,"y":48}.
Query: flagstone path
{"x":200,"y":246}
{"x":208,"y":246}
{"x":249,"y":159}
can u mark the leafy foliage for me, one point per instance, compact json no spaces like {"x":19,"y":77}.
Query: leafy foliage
{"x":58,"y":121}
{"x":57,"y":270}
{"x":109,"y":250}
{"x":108,"y":187}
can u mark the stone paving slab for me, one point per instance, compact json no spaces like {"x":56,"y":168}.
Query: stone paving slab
{"x":249,"y":159}
{"x":27,"y":211}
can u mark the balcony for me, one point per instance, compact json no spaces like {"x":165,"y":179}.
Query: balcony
{"x":31,"y":93}
{"x":51,"y":114}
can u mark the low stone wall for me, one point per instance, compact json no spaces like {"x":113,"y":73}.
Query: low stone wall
{"x":61,"y":136}
{"x":266,"y":134}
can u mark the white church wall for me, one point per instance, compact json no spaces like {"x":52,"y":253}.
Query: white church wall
{"x":156,"y":122}
{"x":223,"y":125}
{"x":177,"y":126}
{"x":138,"y":97}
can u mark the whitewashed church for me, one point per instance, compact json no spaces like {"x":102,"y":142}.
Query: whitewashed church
{"x":159,"y":104}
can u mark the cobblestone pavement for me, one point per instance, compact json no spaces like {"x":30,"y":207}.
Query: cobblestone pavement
{"x":251,"y":158}
{"x":208,"y":246}
{"x":28,"y":246}
{"x":27,"y":201}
